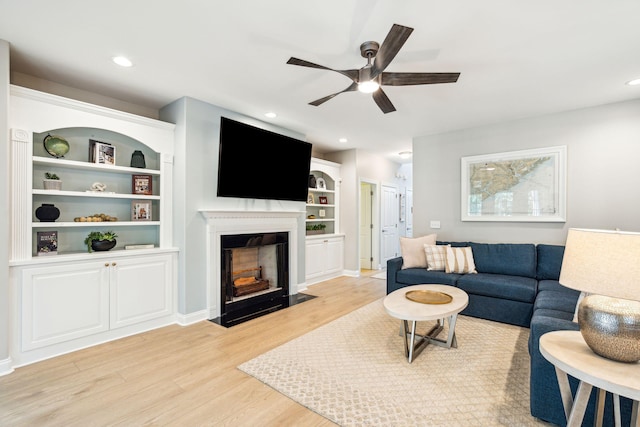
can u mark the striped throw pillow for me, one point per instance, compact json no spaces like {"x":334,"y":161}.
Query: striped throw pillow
{"x":436,"y":257}
{"x":459,"y":260}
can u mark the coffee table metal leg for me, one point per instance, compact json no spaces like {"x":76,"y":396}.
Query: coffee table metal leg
{"x":412,"y":349}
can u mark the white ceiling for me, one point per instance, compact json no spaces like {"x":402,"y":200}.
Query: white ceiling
{"x":517,"y":58}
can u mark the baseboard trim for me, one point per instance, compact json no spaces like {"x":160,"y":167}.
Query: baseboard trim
{"x":6,"y":366}
{"x":191,"y":318}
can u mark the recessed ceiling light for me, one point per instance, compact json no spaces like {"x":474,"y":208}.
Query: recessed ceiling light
{"x":634,"y":82}
{"x":271,"y":115}
{"x":405,"y":154}
{"x":122,"y":61}
{"x":343,"y":140}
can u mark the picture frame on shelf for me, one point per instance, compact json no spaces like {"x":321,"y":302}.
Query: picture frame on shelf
{"x":47,"y":243}
{"x":321,"y":184}
{"x":142,"y":184}
{"x":310,"y":199}
{"x":141,"y":210}
{"x":323,"y":200}
{"x":102,"y":153}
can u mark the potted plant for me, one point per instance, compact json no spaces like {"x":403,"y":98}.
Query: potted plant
{"x":315,"y":228}
{"x":100,"y":240}
{"x":52,"y":181}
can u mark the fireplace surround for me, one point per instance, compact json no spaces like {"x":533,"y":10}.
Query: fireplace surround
{"x":221,"y":223}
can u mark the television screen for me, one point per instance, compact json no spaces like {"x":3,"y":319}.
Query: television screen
{"x":258,"y":164}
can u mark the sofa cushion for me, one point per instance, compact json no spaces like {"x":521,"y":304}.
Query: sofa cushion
{"x":549,"y":261}
{"x":436,"y":257}
{"x":459,"y":260}
{"x":515,"y":288}
{"x":513,"y":259}
{"x":554,"y":285}
{"x":560,"y":301}
{"x":412,"y":250}
{"x":417,"y":276}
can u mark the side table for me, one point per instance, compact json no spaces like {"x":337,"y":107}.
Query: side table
{"x":570,"y":355}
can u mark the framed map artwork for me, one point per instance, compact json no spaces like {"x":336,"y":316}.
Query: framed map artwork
{"x":517,"y":186}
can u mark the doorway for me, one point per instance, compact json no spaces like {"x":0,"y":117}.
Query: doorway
{"x":389,"y":222}
{"x":368,"y":225}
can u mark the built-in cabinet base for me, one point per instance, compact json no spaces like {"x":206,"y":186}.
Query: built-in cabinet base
{"x":324,"y":257}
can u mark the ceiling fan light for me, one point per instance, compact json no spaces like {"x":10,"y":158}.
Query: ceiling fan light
{"x":368,"y":86}
{"x":405,"y":154}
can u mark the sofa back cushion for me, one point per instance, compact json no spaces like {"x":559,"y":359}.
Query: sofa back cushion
{"x":513,"y":259}
{"x":549,"y":261}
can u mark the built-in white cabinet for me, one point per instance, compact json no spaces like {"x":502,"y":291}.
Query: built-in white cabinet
{"x":324,"y":242}
{"x":76,"y":298}
{"x":324,"y":257}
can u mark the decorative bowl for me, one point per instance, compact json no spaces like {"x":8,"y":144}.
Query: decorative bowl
{"x":103,"y":245}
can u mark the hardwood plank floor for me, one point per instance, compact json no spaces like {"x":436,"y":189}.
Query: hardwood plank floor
{"x":178,"y":376}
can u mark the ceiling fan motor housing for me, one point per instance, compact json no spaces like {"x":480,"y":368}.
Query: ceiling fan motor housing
{"x":369,"y":49}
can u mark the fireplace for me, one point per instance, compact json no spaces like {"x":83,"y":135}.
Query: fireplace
{"x":254,"y":275}
{"x":220,"y":225}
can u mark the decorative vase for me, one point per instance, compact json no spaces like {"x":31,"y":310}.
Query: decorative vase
{"x":47,"y":213}
{"x":52,"y":184}
{"x":103,"y":245}
{"x":312,"y":181}
{"x":137,"y":160}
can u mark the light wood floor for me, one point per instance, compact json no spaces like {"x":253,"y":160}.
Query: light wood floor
{"x":178,"y":376}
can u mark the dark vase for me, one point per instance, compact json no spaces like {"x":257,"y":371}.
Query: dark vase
{"x":102,"y":245}
{"x":137,"y":160}
{"x":312,"y":181}
{"x":47,"y":213}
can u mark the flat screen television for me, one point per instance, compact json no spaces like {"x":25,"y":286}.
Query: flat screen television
{"x":258,"y":164}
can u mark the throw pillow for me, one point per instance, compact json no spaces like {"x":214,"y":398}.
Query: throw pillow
{"x":412,"y":250}
{"x":436,"y":257}
{"x":459,"y":260}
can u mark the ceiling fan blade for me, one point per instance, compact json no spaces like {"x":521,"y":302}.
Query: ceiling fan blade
{"x":352,"y":74}
{"x":383,"y":101}
{"x":390,"y":47}
{"x":317,"y":102}
{"x":408,"y":79}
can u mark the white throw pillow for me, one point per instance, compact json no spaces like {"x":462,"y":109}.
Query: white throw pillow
{"x":412,"y":250}
{"x":460,"y":260}
{"x":436,"y":257}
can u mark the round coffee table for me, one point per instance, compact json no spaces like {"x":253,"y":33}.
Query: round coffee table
{"x":398,"y":305}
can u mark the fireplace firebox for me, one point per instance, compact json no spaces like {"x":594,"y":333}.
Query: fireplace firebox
{"x":254,"y":275}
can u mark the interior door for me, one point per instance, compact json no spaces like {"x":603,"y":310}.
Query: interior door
{"x":366,"y":226}
{"x":389,"y":223}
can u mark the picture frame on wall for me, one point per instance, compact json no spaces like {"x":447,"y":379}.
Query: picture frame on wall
{"x":141,"y":210}
{"x":516,"y":186}
{"x":102,"y":153}
{"x":142,"y":184}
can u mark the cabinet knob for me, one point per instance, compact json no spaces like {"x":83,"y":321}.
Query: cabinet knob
{"x":113,"y":264}
{"x":106,"y":264}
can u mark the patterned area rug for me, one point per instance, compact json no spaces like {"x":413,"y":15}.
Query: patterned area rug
{"x":353,"y":371}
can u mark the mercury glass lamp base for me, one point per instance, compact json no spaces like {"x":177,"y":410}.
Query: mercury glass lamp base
{"x":611,"y":327}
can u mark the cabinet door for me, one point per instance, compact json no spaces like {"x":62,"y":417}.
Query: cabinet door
{"x":334,"y":250}
{"x":140,"y":289}
{"x":315,"y":258}
{"x":64,"y":302}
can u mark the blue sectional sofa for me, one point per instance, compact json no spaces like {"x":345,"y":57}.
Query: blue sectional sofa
{"x":517,"y":283}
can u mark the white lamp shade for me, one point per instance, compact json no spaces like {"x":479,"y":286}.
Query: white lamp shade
{"x":602,"y":262}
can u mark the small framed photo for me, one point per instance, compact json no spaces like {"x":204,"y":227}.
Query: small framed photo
{"x":321,"y":184}
{"x":323,"y":200}
{"x":141,"y":210}
{"x":142,"y":184}
{"x":102,"y":152}
{"x":310,"y":199}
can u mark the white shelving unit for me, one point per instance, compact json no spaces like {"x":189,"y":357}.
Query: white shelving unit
{"x":325,"y":250}
{"x":75,"y":299}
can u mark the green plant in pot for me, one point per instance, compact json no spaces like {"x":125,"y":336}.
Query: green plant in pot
{"x":100,"y":240}
{"x":51,"y":181}
{"x":316,"y":228}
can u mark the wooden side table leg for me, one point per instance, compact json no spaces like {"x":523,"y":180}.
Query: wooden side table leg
{"x":601,"y":395}
{"x":635,"y":416}
{"x":616,"y":410}
{"x":579,"y":405}
{"x":565,"y":392}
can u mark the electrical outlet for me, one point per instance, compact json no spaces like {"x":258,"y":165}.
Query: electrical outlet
{"x":434,"y":224}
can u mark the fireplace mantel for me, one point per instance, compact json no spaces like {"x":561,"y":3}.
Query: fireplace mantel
{"x":225,"y":222}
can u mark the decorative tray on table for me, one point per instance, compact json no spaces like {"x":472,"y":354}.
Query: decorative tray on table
{"x":429,"y":297}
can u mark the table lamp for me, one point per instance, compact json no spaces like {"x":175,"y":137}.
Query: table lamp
{"x":606,"y":266}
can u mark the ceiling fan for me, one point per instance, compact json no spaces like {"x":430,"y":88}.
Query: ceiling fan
{"x":372,"y":76}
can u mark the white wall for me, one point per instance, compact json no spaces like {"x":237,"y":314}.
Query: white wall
{"x":4,"y":204}
{"x":603,"y":177}
{"x":195,"y":184}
